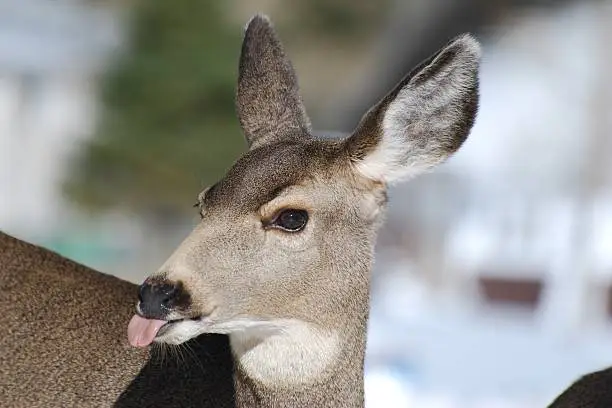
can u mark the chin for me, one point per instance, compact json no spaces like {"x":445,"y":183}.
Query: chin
{"x":179,"y":332}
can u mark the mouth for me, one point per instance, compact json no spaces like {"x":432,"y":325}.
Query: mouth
{"x":142,"y":331}
{"x":165,"y":328}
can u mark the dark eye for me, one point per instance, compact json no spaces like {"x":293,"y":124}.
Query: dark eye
{"x":291,"y":220}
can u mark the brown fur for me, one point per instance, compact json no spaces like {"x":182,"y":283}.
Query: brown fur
{"x":591,"y":391}
{"x":62,"y":331}
{"x":63,"y":342}
{"x":268,"y":104}
{"x":295,"y":305}
{"x":368,"y":133}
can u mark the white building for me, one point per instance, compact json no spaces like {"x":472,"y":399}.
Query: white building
{"x":50,"y":55}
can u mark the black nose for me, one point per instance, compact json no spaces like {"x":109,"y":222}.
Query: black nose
{"x":158,"y":298}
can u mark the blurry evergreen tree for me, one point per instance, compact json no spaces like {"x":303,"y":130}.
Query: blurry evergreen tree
{"x":342,"y":21}
{"x":168,"y":127}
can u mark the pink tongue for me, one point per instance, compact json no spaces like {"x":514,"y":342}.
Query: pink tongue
{"x":141,"y":331}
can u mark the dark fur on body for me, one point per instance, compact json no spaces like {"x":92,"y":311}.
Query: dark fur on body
{"x":593,"y":390}
{"x":63,"y":342}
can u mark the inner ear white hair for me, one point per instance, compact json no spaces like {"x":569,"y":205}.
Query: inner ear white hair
{"x":424,"y":119}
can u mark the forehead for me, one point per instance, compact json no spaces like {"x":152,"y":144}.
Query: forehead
{"x":260,"y":174}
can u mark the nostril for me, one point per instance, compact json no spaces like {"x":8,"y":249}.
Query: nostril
{"x":166,"y":304}
{"x":168,"y":294}
{"x":141,"y":292}
{"x":158,"y":297}
{"x":167,"y":290}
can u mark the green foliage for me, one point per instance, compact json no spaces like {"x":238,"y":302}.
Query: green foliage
{"x":339,"y":20}
{"x":168,"y":126}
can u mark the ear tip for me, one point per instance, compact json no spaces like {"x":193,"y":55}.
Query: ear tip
{"x":258,"y":20}
{"x":468,"y":45}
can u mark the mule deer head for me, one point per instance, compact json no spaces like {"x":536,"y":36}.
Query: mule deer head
{"x":281,"y":259}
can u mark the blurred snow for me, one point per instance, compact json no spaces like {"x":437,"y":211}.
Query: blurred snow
{"x":472,"y":357}
{"x":537,"y":78}
{"x":57,"y":36}
{"x":519,"y":178}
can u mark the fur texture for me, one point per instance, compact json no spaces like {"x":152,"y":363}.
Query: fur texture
{"x":424,"y":119}
{"x":63,"y":342}
{"x":591,"y":391}
{"x":268,"y":104}
{"x":295,"y":304}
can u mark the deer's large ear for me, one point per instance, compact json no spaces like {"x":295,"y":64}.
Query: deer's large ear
{"x":424,"y":119}
{"x":268,"y":103}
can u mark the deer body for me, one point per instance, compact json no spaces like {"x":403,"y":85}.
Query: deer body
{"x":63,"y":342}
{"x":280,"y":262}
{"x":53,"y":348}
{"x":593,"y":390}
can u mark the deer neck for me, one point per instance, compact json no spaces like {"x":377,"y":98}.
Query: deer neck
{"x":301,"y":365}
{"x":316,"y":360}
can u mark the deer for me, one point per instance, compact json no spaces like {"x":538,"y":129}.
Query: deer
{"x":271,"y":289}
{"x":593,"y":390}
{"x":63,"y":342}
{"x":280,"y":261}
